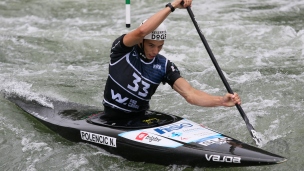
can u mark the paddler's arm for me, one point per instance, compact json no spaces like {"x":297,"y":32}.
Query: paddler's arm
{"x":134,"y":37}
{"x":200,"y":98}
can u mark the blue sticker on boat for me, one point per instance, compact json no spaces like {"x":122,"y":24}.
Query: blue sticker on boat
{"x":185,"y":131}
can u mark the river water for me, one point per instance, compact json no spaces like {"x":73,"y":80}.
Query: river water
{"x":60,"y":49}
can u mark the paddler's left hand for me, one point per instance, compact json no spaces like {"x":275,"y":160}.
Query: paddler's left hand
{"x":177,"y":4}
{"x":231,"y":100}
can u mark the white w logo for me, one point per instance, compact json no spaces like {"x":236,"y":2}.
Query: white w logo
{"x":117,"y":97}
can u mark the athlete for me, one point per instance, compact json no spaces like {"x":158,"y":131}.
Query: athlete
{"x":136,"y":69}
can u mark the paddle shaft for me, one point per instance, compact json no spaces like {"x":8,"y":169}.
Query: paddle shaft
{"x":249,"y":126}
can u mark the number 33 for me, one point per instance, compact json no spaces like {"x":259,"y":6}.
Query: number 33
{"x":135,"y":88}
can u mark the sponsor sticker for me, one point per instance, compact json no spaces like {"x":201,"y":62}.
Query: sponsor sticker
{"x":184,"y":131}
{"x":149,"y":138}
{"x":172,"y":127}
{"x":141,"y":136}
{"x":98,"y":138}
{"x":216,"y":139}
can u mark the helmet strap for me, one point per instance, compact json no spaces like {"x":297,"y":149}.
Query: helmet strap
{"x":142,"y":51}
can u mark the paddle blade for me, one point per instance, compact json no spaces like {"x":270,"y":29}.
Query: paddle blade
{"x":256,"y":138}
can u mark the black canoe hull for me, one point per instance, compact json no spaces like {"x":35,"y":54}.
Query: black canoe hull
{"x":157,"y":138}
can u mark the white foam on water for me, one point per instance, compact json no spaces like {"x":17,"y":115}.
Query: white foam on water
{"x":301,"y":35}
{"x":22,"y":89}
{"x":11,"y":127}
{"x":246,"y":76}
{"x":75,"y":161}
{"x":31,"y":73}
{"x":271,"y":134}
{"x":91,"y":68}
{"x":29,"y":29}
{"x":24,"y":20}
{"x":173,"y":57}
{"x":37,"y":151}
{"x":29,"y":146}
{"x":294,"y":6}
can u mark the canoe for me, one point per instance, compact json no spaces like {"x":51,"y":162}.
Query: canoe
{"x":156,"y":137}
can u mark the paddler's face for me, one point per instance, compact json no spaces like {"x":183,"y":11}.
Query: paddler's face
{"x":152,"y":47}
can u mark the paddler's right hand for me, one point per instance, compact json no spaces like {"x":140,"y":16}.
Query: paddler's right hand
{"x":231,"y":99}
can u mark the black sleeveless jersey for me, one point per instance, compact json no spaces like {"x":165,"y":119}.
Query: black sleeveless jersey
{"x":132,"y":81}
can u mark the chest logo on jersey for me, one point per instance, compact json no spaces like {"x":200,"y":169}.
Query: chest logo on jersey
{"x":157,"y":66}
{"x":117,"y":97}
